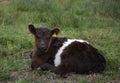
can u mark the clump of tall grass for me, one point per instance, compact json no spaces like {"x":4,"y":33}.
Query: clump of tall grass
{"x":109,"y":8}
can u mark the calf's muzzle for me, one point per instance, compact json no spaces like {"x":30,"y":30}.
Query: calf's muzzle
{"x":42,"y":48}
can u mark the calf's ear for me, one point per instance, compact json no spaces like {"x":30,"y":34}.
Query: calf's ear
{"x":56,"y":31}
{"x":32,"y":29}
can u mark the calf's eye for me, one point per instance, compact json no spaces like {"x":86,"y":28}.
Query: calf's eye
{"x":48,"y":37}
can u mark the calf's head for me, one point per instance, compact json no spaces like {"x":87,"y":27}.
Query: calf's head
{"x":43,"y":37}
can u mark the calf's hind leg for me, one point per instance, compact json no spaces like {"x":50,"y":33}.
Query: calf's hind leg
{"x":68,"y":66}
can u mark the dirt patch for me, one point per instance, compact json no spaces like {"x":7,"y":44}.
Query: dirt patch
{"x":48,"y":77}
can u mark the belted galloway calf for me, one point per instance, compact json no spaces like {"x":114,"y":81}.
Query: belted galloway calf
{"x":63,"y":55}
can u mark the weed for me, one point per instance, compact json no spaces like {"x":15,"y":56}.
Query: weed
{"x":83,"y":80}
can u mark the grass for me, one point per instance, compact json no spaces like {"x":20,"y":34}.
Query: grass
{"x":95,"y":21}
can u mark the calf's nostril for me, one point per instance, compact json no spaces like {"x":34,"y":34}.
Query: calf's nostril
{"x":42,"y":47}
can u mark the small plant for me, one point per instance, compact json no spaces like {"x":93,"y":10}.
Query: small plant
{"x":83,"y":80}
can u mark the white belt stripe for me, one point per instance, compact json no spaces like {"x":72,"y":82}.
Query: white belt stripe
{"x":57,"y":59}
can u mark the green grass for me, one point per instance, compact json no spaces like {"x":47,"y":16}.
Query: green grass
{"x":95,"y":21}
